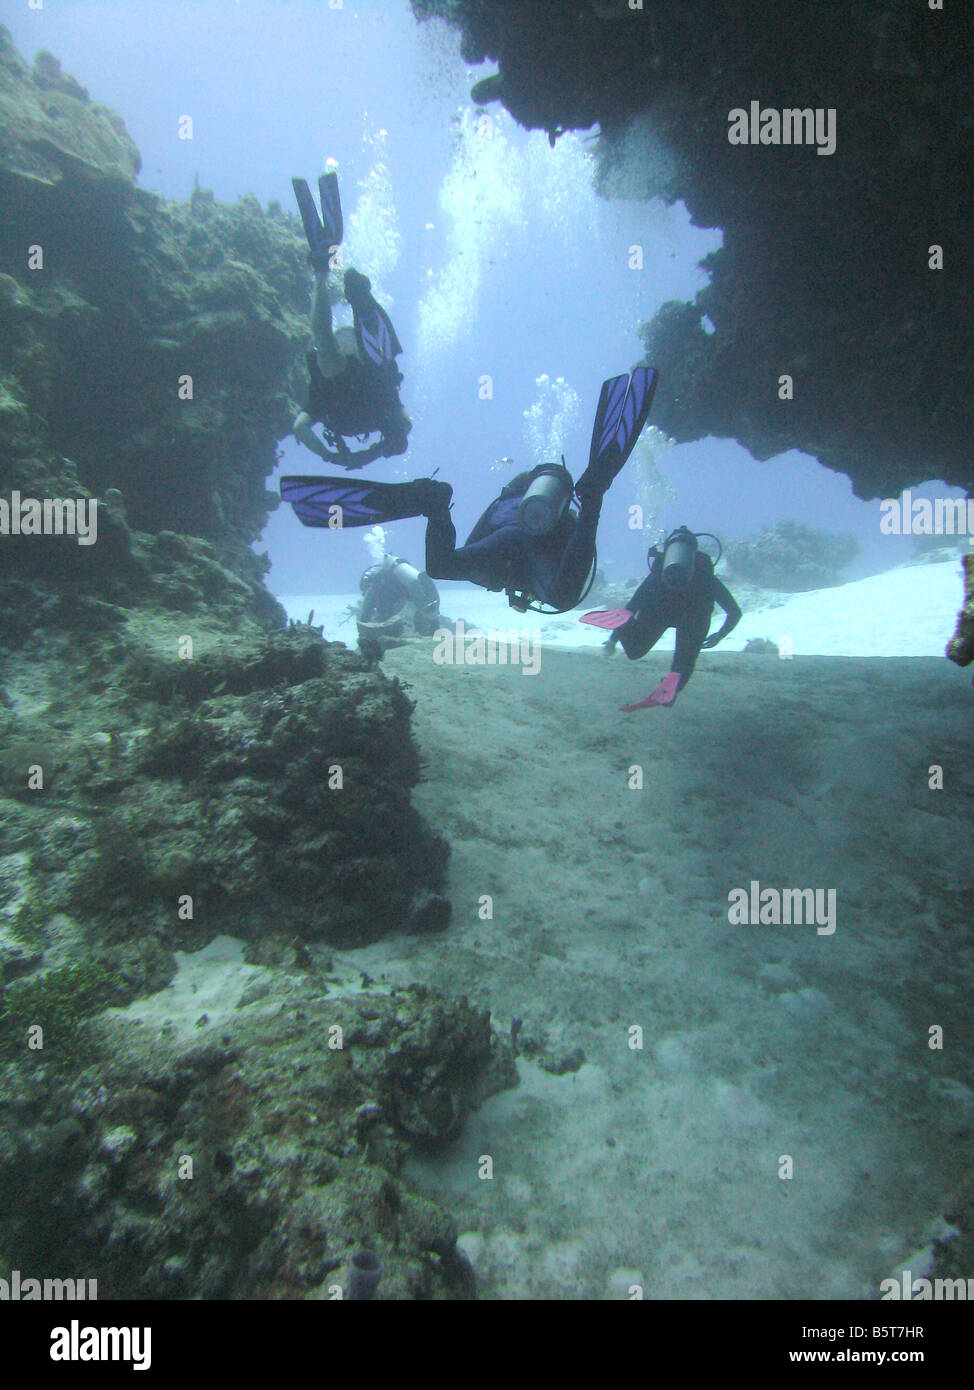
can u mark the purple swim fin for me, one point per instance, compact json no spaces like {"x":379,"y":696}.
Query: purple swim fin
{"x":664,"y":694}
{"x":615,"y":617}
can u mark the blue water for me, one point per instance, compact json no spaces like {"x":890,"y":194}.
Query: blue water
{"x":492,"y":251}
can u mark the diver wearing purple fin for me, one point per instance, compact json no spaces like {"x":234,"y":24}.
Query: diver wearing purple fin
{"x":530,"y":542}
{"x":680,"y":591}
{"x":354,"y":382}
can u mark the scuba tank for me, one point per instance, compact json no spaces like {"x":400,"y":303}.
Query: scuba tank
{"x":545,"y":497}
{"x":422,"y":594}
{"x":676,"y":556}
{"x":679,"y":559}
{"x":409,"y":586}
{"x":544,"y":504}
{"x":546,"y":500}
{"x":404,"y":574}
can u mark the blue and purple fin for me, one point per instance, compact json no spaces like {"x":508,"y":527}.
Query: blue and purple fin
{"x":331,"y":207}
{"x":374,"y":332}
{"x":376,"y":335}
{"x":622,"y":412}
{"x":324,"y":233}
{"x":338,"y":502}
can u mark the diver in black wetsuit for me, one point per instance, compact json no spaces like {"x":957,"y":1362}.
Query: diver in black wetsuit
{"x":680,"y":591}
{"x":353,"y":378}
{"x":529,"y":542}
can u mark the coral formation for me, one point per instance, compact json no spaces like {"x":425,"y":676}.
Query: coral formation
{"x":267,"y":780}
{"x":59,"y":1002}
{"x":253,"y":1162}
{"x":792,"y":557}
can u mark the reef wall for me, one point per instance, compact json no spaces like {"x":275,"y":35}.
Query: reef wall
{"x":824,"y":275}
{"x":177,"y":741}
{"x":179,"y":768}
{"x":154,"y":344}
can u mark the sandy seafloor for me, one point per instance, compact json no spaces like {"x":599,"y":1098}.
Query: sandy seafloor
{"x":660,"y":1166}
{"x":905,"y":612}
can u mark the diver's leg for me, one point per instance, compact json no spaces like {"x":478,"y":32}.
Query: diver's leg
{"x":642,"y":596}
{"x":690,"y":637}
{"x":324,"y":236}
{"x":484,"y":563}
{"x":330,"y":359}
{"x":640,"y":634}
{"x":441,"y":545}
{"x":576,"y":562}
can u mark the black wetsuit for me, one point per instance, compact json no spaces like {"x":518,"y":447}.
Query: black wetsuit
{"x":655,"y":607}
{"x":552,"y":568}
{"x":362,"y":399}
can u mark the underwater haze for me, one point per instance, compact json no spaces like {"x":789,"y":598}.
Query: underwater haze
{"x":441,"y":965}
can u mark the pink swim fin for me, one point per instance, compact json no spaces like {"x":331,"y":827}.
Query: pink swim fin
{"x":610,"y":620}
{"x":664,"y":694}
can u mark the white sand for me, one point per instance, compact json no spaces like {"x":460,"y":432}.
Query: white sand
{"x":610,"y":910}
{"x":908,"y":611}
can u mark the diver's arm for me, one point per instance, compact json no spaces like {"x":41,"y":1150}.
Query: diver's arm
{"x":305,"y":435}
{"x":359,"y":458}
{"x":386,"y":448}
{"x":725,"y":599}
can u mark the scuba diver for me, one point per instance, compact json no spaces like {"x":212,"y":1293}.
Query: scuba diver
{"x":680,"y":591}
{"x":530,"y":542}
{"x":395,"y":599}
{"x":354,"y":381}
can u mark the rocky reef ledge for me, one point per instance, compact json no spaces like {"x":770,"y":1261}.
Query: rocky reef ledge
{"x":242,"y":1135}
